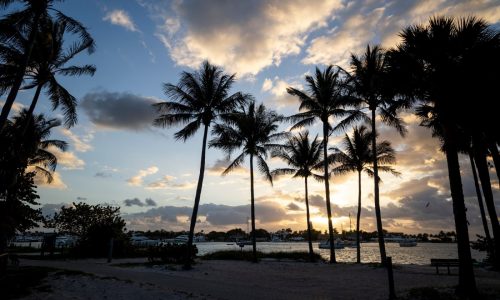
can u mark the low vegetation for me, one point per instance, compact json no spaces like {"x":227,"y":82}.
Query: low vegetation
{"x":247,"y":255}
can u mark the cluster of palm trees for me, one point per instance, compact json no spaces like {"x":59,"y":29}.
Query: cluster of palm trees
{"x":33,"y":54}
{"x":436,"y":69}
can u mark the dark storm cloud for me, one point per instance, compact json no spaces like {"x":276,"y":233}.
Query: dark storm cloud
{"x":119,"y":110}
{"x":138,"y":202}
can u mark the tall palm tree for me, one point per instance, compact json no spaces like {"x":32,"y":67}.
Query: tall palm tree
{"x":433,"y":64}
{"x":369,"y":83}
{"x":199,"y":99}
{"x":253,"y":129}
{"x":28,"y":20}
{"x":302,"y":157}
{"x":358,"y":157}
{"x":326,"y":97}
{"x":50,"y":60}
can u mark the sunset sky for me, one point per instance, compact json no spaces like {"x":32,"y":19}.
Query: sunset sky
{"x":117,"y":157}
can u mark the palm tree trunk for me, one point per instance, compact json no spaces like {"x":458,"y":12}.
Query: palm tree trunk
{"x":194,"y":216}
{"x":32,"y":108}
{"x":252,"y":208}
{"x":466,"y":279}
{"x":378,"y":215}
{"x":327,"y":192}
{"x":481,"y":205}
{"x":492,"y":146}
{"x":358,"y":218}
{"x":309,"y":235}
{"x":484,"y":176}
{"x":20,"y":75}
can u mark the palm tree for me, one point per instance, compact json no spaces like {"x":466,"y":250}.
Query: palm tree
{"x":433,"y":64}
{"x":369,"y":83}
{"x":50,"y":60}
{"x":253,"y":130}
{"x":36,"y":145}
{"x":302,"y":157}
{"x":28,"y":21}
{"x":199,"y":99}
{"x":325,"y":97}
{"x":358,"y":157}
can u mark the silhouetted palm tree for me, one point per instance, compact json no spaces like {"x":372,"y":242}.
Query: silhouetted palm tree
{"x":433,"y":64}
{"x":50,"y":60}
{"x":302,"y":157}
{"x":199,"y":99}
{"x":369,"y":82}
{"x":326,"y":97}
{"x":358,"y":157}
{"x":253,"y":130}
{"x":35,"y":151}
{"x":28,"y":21}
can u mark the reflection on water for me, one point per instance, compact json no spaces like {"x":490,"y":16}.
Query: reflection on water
{"x":419,"y":255}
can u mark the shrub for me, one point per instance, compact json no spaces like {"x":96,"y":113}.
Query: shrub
{"x":171,"y":253}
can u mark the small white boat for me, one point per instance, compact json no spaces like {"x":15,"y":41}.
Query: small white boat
{"x":338,"y":244}
{"x":408,"y":243}
{"x":182,"y":239}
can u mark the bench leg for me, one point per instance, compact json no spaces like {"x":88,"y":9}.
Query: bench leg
{"x":449,"y":270}
{"x":437,"y":270}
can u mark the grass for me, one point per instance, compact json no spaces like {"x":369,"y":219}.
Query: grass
{"x":18,"y":282}
{"x":248,"y":256}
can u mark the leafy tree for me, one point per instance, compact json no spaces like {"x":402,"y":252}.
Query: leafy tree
{"x":17,"y":213}
{"x":326,"y":97}
{"x":358,"y":157}
{"x":27,"y":21}
{"x":302,"y":157}
{"x":199,"y":99}
{"x":94,"y":225}
{"x":253,"y":130}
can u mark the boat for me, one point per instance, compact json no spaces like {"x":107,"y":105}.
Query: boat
{"x":338,"y":244}
{"x":181,"y":239}
{"x":408,"y":243}
{"x":242,"y":243}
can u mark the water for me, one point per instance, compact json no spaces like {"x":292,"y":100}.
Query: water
{"x":418,"y":255}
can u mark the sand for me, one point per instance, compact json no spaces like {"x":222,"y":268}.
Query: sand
{"x":241,"y":280}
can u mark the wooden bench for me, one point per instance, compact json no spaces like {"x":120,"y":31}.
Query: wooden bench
{"x":442,"y":262}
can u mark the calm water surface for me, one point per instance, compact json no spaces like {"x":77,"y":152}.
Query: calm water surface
{"x":419,"y":255}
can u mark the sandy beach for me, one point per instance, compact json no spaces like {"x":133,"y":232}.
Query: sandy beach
{"x":241,"y":280}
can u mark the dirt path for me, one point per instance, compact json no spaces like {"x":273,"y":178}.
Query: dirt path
{"x":266,"y":280}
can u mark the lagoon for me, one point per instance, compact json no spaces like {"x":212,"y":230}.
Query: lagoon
{"x":418,"y":255}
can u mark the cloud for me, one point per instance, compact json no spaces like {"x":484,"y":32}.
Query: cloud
{"x":293,"y":206}
{"x":221,"y":164}
{"x":57,"y":182}
{"x":50,"y":209}
{"x":81,"y":198}
{"x":242,"y":36}
{"x":102,"y":175}
{"x":277,"y":88}
{"x":361,"y":22}
{"x":16,"y":107}
{"x":168,"y":182}
{"x":67,"y":159}
{"x":121,"y":18}
{"x":81,"y":144}
{"x":138,"y":202}
{"x":119,"y":110}
{"x":138,"y":179}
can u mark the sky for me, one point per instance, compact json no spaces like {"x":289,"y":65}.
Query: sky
{"x":117,"y":157}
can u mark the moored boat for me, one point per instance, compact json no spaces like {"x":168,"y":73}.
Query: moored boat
{"x":338,"y":244}
{"x":408,"y":243}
